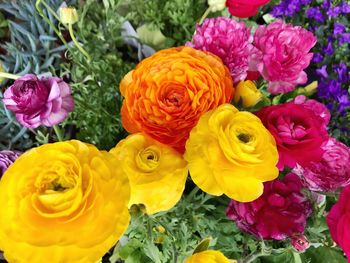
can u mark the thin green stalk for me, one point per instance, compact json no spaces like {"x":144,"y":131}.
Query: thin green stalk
{"x":8,"y":76}
{"x":58,"y":33}
{"x":51,"y":11}
{"x":81,"y":49}
{"x":206,"y":13}
{"x":58,"y":132}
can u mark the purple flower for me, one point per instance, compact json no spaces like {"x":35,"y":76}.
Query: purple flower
{"x":288,"y":8}
{"x":6,"y":159}
{"x":329,"y":49}
{"x":326,"y":4}
{"x":339,"y":28}
{"x":322,"y":71}
{"x":342,"y":71}
{"x":344,"y":102}
{"x":334,"y":11}
{"x":317,"y":58}
{"x":345,"y":38}
{"x":39,"y":102}
{"x":315,"y":13}
{"x":345,"y":8}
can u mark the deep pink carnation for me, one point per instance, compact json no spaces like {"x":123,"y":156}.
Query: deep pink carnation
{"x":338,"y":221}
{"x":228,"y":39}
{"x":279,"y":213}
{"x":329,"y":174}
{"x":298,"y":131}
{"x":317,"y":107}
{"x":39,"y":102}
{"x":284,"y":54}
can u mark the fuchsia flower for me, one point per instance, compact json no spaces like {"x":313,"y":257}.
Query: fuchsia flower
{"x":331,"y":172}
{"x":338,"y":221}
{"x":245,"y":8}
{"x":279,"y":213}
{"x":298,"y":131}
{"x":317,"y":107}
{"x":228,"y":39}
{"x":6,"y":159}
{"x":39,"y":101}
{"x":283,"y":55}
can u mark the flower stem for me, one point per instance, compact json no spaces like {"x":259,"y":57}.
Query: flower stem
{"x":8,"y":76}
{"x":81,"y":49}
{"x":58,"y":33}
{"x":206,"y":13}
{"x":58,"y":132}
{"x":50,"y":10}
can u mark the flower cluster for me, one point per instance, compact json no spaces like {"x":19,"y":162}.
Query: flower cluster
{"x":206,"y":112}
{"x":328,"y":21}
{"x":279,"y":52}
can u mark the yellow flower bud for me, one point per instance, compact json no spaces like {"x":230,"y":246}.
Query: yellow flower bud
{"x":161,"y":229}
{"x":247,"y":92}
{"x":311,"y":88}
{"x":68,"y":15}
{"x":217,"y":5}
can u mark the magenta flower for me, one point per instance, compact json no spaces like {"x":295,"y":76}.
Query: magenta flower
{"x":39,"y":101}
{"x":300,"y":242}
{"x":329,"y":174}
{"x":279,"y":213}
{"x":283,"y":55}
{"x":6,"y":159}
{"x":317,"y":107}
{"x":228,"y":39}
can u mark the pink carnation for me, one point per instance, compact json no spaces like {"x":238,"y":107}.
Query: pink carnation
{"x":329,"y":174}
{"x":279,"y":213}
{"x":283,"y":55}
{"x":228,"y":39}
{"x":317,"y":107}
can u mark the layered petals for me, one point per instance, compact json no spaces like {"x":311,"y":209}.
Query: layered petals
{"x":231,"y":152}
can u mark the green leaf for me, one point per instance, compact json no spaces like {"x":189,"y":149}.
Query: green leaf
{"x":152,"y":252}
{"x":323,"y":255}
{"x":286,"y":257}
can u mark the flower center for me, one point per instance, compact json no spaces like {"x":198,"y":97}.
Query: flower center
{"x":243,"y":137}
{"x":148,"y":159}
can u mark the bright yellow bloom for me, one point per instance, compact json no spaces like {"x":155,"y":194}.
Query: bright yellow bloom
{"x":62,"y":202}
{"x":208,"y":256}
{"x":247,"y":92}
{"x":231,"y":152}
{"x":157,"y":173}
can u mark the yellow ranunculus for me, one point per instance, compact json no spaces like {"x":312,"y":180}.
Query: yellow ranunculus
{"x":62,"y":202}
{"x":208,"y":256}
{"x":247,"y":92}
{"x":157,"y":173}
{"x":231,"y":152}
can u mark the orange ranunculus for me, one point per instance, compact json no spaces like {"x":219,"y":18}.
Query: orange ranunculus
{"x":168,"y":92}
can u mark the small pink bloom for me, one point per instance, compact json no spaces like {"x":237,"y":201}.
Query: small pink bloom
{"x":39,"y":102}
{"x":283,"y":55}
{"x":300,"y":242}
{"x":228,"y":39}
{"x":331,"y":172}
{"x":280,"y":212}
{"x":244,"y":8}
